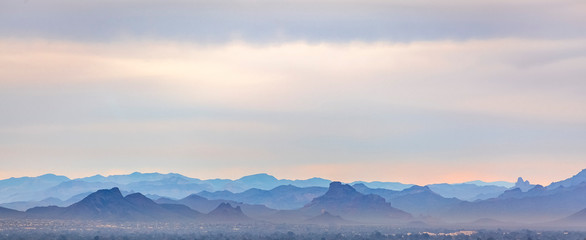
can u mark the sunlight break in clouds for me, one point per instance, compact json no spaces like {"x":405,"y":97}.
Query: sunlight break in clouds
{"x":239,"y":108}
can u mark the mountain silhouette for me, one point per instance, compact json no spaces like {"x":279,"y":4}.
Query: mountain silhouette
{"x":578,"y":218}
{"x":416,"y":199}
{"x":524,"y":185}
{"x":281,"y":197}
{"x":357,"y":204}
{"x":395,"y":186}
{"x":205,"y":205}
{"x":344,"y":200}
{"x":160,"y":211}
{"x":518,"y":193}
{"x":173,"y":185}
{"x":27,"y":188}
{"x":110,"y":205}
{"x":536,"y":205}
{"x":69,"y":189}
{"x":327,"y":218}
{"x":467,"y":191}
{"x":24,"y":205}
{"x":10,"y":213}
{"x":228,"y":214}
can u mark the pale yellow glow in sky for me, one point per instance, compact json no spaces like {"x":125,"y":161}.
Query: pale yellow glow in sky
{"x":498,"y":78}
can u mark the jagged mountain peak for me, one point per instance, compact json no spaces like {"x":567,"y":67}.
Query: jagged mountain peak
{"x":337,"y":189}
{"x":343,"y":199}
{"x":524,"y":185}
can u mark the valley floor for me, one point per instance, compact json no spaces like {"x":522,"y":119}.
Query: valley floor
{"x":94,"y":230}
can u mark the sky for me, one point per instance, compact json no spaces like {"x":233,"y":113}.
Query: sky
{"x":409,"y":91}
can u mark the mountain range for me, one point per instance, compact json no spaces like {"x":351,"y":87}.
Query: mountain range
{"x":110,"y":205}
{"x":345,"y":201}
{"x":50,"y":188}
{"x":281,"y":197}
{"x":338,"y":203}
{"x":204,"y":205}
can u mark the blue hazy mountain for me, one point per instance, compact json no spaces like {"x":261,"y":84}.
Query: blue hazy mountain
{"x":226,"y":213}
{"x":355,"y":204}
{"x":539,"y":204}
{"x":578,"y":218}
{"x":25,"y":188}
{"x":171,"y":185}
{"x":175,"y":187}
{"x":466,"y":191}
{"x":417,"y":200}
{"x":397,"y":186}
{"x":264,"y":181}
{"x":10,"y":213}
{"x":160,"y":211}
{"x":423,"y":201}
{"x":345,"y":201}
{"x":24,"y":205}
{"x":110,"y":205}
{"x":205,"y":205}
{"x":135,"y":177}
{"x":68,"y":189}
{"x":281,"y":197}
{"x":523,"y":185}
{"x":385,"y":193}
{"x":574,"y":221}
{"x":496,"y":183}
{"x":518,"y":193}
{"x":573,"y":181}
{"x":326,"y":218}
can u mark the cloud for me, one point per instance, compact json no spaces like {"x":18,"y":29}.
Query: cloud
{"x":237,"y":108}
{"x":488,"y":77}
{"x":284,"y":20}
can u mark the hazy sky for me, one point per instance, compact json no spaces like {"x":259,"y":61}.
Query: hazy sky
{"x":412,"y":91}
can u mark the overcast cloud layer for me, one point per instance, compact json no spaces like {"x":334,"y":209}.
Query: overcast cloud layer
{"x":282,"y":20}
{"x":412,"y":91}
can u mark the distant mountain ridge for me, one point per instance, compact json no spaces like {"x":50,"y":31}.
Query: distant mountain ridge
{"x":173,"y":185}
{"x":109,"y":204}
{"x":416,"y":199}
{"x":27,"y":188}
{"x":205,"y":205}
{"x":226,"y":213}
{"x":466,"y":191}
{"x":563,"y":204}
{"x":281,"y":197}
